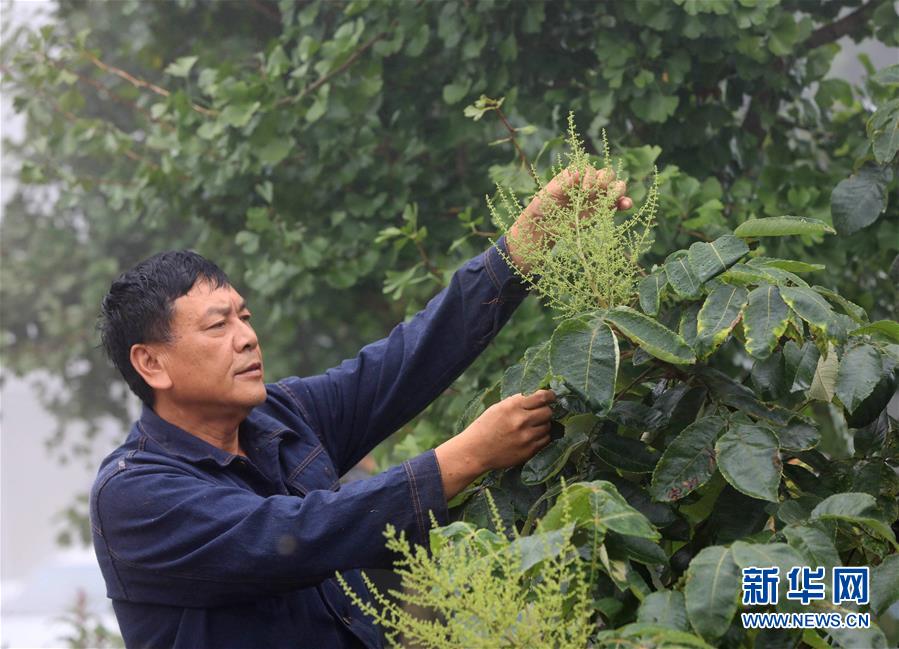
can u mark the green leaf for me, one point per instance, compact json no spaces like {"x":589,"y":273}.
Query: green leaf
{"x":453,"y":93}
{"x":765,"y":320}
{"x":744,"y":275}
{"x":718,"y":316}
{"x":712,"y":591}
{"x":805,"y":367}
{"x":653,"y":337}
{"x":318,"y":108}
{"x":688,"y":462}
{"x":511,"y":382}
{"x":856,"y":508}
{"x":748,"y":555}
{"x":455,"y":531}
{"x":887,"y":76}
{"x":814,"y":545}
{"x":666,"y":608}
{"x":181,"y":67}
{"x":884,"y":584}
{"x":886,"y":328}
{"x":851,"y":308}
{"x":872,"y":407}
{"x":856,"y":202}
{"x":537,"y":548}
{"x":624,"y":453}
{"x":783,"y":35}
{"x":798,"y":436}
{"x":790,"y":265}
{"x":274,"y":151}
{"x":811,"y":307}
{"x":478,"y":404}
{"x":417,"y":42}
{"x":680,"y":276}
{"x":239,"y":115}
{"x":649,"y":636}
{"x":266,"y":191}
{"x":599,"y":504}
{"x":650,"y":291}
{"x":632,"y":414}
{"x":635,"y":549}
{"x":686,"y":327}
{"x":482,"y":105}
{"x":657,"y":107}
{"x":534,"y":368}
{"x":769,"y":375}
{"x":585,"y":354}
{"x":709,"y":259}
{"x":741,"y":397}
{"x":824,"y":383}
{"x":749,"y":459}
{"x":780,"y":226}
{"x":883,"y":131}
{"x":550,"y":460}
{"x":858,"y":373}
{"x":248,"y":241}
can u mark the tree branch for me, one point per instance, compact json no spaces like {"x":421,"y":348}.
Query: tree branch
{"x":828,"y":33}
{"x":845,"y":26}
{"x":142,"y":83}
{"x":271,"y":13}
{"x":322,"y":80}
{"x":524,"y":159}
{"x":102,"y":89}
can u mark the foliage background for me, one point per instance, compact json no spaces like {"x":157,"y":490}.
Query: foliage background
{"x":282,"y":139}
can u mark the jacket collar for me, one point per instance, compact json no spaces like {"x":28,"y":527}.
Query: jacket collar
{"x":177,"y":441}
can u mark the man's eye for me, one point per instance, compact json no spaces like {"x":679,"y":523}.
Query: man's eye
{"x":218,"y":324}
{"x":246,"y":318}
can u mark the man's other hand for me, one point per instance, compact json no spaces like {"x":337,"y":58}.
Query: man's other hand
{"x":507,"y":434}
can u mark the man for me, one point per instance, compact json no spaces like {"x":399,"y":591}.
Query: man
{"x":220,"y":522}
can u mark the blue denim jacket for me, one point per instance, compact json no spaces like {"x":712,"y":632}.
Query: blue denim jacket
{"x":203,"y":549}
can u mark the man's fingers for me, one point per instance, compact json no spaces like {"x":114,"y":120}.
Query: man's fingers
{"x":617,"y":189}
{"x":542,"y":442}
{"x":540,"y":416}
{"x":625,"y":203}
{"x":604,"y":177}
{"x":539,"y":399}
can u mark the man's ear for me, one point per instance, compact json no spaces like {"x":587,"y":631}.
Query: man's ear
{"x":149,"y":362}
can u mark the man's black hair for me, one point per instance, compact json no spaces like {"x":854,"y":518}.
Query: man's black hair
{"x":140,"y":304}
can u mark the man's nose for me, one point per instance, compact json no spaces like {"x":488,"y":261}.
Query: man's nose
{"x":246,"y":337}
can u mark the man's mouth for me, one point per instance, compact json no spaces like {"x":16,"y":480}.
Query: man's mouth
{"x":254,"y":369}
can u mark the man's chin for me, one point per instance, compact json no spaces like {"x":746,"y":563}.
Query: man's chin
{"x":259,"y":397}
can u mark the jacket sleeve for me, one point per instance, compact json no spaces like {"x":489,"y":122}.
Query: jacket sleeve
{"x":166,"y":536}
{"x":362,"y":401}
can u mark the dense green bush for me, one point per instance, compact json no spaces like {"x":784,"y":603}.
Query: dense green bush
{"x":689,"y":434}
{"x":718,"y":455}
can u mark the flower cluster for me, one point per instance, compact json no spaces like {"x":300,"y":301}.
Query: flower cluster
{"x":588,"y":258}
{"x":484,"y":589}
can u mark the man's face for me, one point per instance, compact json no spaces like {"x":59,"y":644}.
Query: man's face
{"x":212,"y":346}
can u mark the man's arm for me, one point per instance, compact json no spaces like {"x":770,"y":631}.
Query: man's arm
{"x":359,"y":403}
{"x":177,"y":539}
{"x":362,"y":401}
